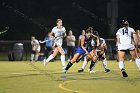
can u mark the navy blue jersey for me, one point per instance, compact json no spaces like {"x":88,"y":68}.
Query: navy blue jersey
{"x":87,"y":42}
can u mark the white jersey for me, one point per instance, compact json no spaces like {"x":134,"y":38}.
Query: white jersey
{"x":102,"y":44}
{"x":58,"y":33}
{"x":35,"y":45}
{"x":124,"y":37}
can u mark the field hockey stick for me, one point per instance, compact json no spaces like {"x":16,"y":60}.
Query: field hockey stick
{"x":50,"y":39}
{"x":81,"y":57}
{"x":44,"y":41}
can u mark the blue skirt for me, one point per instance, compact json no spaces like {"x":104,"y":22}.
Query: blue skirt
{"x":80,"y":50}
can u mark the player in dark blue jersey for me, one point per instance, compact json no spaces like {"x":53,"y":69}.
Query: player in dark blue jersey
{"x":99,"y":51}
{"x":82,"y":49}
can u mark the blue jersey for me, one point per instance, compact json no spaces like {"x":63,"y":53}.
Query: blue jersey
{"x":50,"y":42}
{"x":87,"y":42}
{"x":87,"y":45}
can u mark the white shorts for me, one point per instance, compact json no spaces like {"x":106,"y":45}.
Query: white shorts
{"x":37,"y":50}
{"x":126,"y":47}
{"x":58,"y":42}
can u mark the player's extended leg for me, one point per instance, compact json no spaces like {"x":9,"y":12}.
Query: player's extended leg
{"x":92,"y":65}
{"x":135,"y":56}
{"x":104,"y":61}
{"x":93,"y":56}
{"x":75,"y":57}
{"x":121,"y":55}
{"x":51,"y":56}
{"x":60,"y":49}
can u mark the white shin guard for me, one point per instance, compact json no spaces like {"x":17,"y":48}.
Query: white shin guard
{"x":121,"y":65}
{"x":105,"y":63}
{"x":49,"y":58}
{"x":63,"y":60}
{"x":84,"y":64}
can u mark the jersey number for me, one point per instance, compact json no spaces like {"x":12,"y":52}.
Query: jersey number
{"x":125,"y":31}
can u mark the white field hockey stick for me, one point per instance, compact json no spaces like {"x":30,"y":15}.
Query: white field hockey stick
{"x":44,"y":41}
{"x":50,"y":39}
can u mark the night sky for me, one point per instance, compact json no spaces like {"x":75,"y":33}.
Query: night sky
{"x":36,"y":17}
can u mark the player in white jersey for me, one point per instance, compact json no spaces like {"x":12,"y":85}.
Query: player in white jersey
{"x":35,"y":49}
{"x":126,"y":40}
{"x":101,"y":54}
{"x":59,"y":32}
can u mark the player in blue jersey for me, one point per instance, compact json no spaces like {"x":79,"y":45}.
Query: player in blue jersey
{"x":84,"y":48}
{"x":100,"y":51}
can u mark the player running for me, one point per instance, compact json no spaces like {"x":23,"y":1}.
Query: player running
{"x":59,"y":32}
{"x":100,"y":54}
{"x":83,"y":49}
{"x":127,"y":41}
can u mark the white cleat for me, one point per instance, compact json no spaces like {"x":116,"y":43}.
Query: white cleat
{"x":63,"y":68}
{"x":91,"y":71}
{"x":64,"y":71}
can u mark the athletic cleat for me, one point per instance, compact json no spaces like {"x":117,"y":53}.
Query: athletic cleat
{"x":64,"y":71}
{"x":81,"y":70}
{"x":92,"y":71}
{"x":124,"y":73}
{"x":107,"y":70}
{"x":88,"y":70}
{"x":63,"y":67}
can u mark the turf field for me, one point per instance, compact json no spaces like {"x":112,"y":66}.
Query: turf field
{"x":31,"y":77}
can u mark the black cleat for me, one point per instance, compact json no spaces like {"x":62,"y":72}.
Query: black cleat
{"x":81,"y":70}
{"x":124,"y":73}
{"x":107,"y":70}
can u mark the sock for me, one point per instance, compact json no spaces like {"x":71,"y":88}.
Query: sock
{"x":105,"y":63}
{"x":84,"y":64}
{"x":121,"y":65}
{"x":68,"y":65}
{"x":138,"y":62}
{"x":85,"y":58}
{"x":63,"y":60}
{"x":49,"y":58}
{"x":36,"y":57}
{"x":32,"y":57}
{"x":92,"y":65}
